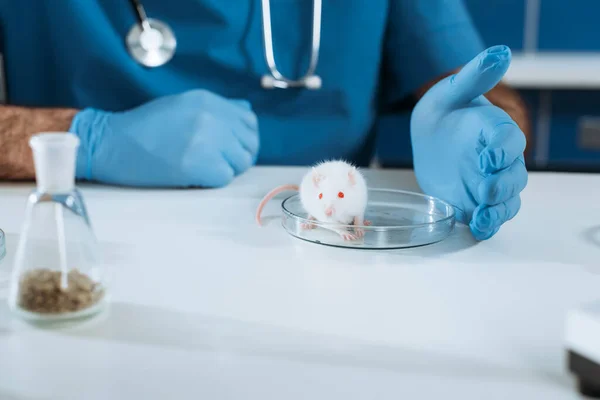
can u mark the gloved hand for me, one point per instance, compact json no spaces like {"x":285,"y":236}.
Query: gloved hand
{"x":466,"y":150}
{"x":196,"y":138}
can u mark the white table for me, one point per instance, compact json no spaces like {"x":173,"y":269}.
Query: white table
{"x":195,"y":318}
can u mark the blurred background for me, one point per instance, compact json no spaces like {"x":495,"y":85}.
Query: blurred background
{"x":555,"y":68}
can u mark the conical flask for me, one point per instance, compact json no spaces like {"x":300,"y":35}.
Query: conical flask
{"x":57,"y":272}
{"x":4,"y":274}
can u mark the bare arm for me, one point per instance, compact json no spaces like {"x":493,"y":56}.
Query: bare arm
{"x":17,"y":125}
{"x":502,"y":96}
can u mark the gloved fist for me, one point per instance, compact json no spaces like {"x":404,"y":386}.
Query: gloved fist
{"x":468,"y":151}
{"x":196,"y":138}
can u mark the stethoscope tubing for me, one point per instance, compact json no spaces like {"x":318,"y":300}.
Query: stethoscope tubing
{"x":140,"y":13}
{"x":165,"y":51}
{"x":278,"y":80}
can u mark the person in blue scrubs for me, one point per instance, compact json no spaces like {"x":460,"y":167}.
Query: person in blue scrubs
{"x":203,"y":118}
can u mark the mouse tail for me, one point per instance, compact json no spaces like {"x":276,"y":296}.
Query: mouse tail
{"x":270,"y":195}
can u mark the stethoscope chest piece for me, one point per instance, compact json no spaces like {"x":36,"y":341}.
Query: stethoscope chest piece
{"x":152,"y":44}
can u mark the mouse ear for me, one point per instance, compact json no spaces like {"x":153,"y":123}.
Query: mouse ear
{"x":352,"y":176}
{"x":316,"y":177}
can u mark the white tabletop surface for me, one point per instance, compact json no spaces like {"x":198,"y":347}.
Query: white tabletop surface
{"x":207,"y":305}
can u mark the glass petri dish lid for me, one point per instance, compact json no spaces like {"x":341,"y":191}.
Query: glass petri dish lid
{"x":398,"y":219}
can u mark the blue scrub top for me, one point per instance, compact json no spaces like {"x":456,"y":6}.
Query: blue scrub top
{"x":71,"y":53}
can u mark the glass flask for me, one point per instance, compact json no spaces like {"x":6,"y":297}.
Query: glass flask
{"x":4,"y":269}
{"x":57,"y":272}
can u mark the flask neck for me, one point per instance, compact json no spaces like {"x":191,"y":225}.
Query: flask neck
{"x":54,"y":155}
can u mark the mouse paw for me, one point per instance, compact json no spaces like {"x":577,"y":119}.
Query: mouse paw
{"x":366,"y":222}
{"x":359,"y":232}
{"x":308,"y":225}
{"x":348,"y":236}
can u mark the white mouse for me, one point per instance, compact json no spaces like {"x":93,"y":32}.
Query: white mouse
{"x":332,"y":192}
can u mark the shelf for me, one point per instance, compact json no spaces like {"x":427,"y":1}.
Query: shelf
{"x":554,"y":71}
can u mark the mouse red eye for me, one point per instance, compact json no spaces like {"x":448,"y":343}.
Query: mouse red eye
{"x":341,"y":195}
{"x":320,"y":195}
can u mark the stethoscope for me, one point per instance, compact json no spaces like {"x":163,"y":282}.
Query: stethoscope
{"x":152,"y":43}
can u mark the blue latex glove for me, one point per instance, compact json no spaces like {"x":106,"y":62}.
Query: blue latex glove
{"x":196,"y":138}
{"x":466,"y":150}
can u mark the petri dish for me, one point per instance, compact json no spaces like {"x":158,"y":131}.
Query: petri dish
{"x":398,"y":219}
